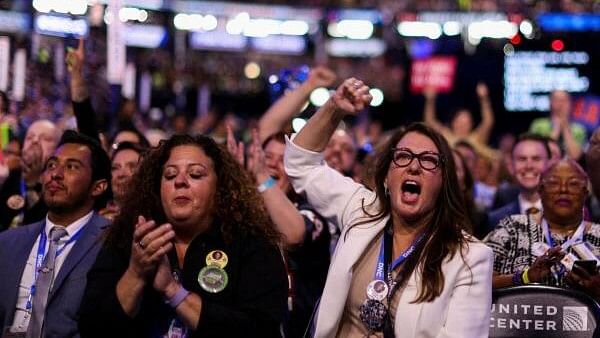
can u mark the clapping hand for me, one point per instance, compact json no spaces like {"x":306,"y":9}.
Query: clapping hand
{"x":149,"y":247}
{"x":236,"y":149}
{"x":256,"y":158}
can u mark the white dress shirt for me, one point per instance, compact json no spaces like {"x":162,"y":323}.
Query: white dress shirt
{"x":524,"y":205}
{"x":22,"y":314}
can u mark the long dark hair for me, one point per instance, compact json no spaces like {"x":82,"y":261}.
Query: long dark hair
{"x":238,"y":206}
{"x":467,"y":193}
{"x":449,"y":217}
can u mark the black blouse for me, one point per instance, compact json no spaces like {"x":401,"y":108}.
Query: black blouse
{"x":251,"y":305}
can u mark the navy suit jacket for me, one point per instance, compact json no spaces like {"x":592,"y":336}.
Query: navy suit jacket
{"x":66,"y":294}
{"x":495,"y":216}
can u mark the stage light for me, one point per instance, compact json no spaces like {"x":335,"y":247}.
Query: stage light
{"x":526,"y":28}
{"x":377,"y":95}
{"x":516,"y":39}
{"x":252,"y":70}
{"x":355,"y":29}
{"x":452,"y":28}
{"x":319,"y":96}
{"x":298,"y":124}
{"x":557,"y":45}
{"x":431,"y":30}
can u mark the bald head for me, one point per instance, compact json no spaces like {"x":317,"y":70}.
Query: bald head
{"x":43,"y":133}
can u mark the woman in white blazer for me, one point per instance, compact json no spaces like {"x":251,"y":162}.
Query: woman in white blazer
{"x":403,"y":267}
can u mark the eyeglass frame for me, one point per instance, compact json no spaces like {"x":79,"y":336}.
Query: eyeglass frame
{"x":557,"y":188}
{"x":440,"y":163}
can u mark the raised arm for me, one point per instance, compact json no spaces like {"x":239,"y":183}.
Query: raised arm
{"x":484,"y":129}
{"x":82,"y":106}
{"x":282,"y":211}
{"x":572,"y":147}
{"x":289,"y":105}
{"x":429,"y":112}
{"x":351,"y":97}
{"x":331,"y":194}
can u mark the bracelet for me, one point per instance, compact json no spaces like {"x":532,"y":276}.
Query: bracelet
{"x":266,"y":184}
{"x":178,"y":297}
{"x":517,"y":278}
{"x":525,"y":276}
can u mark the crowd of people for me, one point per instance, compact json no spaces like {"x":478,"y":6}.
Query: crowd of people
{"x":339,"y":230}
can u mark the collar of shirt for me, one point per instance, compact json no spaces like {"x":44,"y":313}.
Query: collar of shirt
{"x":524,"y":205}
{"x":72,"y":228}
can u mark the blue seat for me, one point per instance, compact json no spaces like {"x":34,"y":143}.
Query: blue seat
{"x":532,"y":311}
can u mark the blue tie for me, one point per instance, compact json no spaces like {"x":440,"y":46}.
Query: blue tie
{"x":43,"y":284}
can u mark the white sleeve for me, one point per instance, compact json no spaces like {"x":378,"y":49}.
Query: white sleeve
{"x":337,"y":198}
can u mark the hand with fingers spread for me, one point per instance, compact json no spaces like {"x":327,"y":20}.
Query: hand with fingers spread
{"x":351,"y":97}
{"x":256,"y":159}
{"x":150,"y":244}
{"x":540,"y":269}
{"x":235,"y":148}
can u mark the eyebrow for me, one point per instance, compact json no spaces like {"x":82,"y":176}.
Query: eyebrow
{"x":188,"y":165}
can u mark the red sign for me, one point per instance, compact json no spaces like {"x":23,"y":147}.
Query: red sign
{"x":437,"y":72}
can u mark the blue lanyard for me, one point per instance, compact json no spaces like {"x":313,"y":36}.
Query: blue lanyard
{"x":39,"y":258}
{"x":380,"y":270}
{"x":577,"y":236}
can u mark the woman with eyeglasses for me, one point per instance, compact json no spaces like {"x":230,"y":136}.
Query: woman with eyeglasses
{"x":402,"y":267}
{"x":530,"y":250}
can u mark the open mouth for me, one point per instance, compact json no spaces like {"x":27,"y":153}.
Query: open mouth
{"x":411,"y":187}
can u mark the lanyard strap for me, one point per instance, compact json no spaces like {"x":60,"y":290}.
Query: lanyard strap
{"x":576,"y":238}
{"x":40,"y":256}
{"x":384,"y":266}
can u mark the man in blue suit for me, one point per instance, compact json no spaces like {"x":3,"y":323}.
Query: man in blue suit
{"x":42,"y":285}
{"x":529,"y":158}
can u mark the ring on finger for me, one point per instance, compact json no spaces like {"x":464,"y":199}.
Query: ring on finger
{"x":142,"y":244}
{"x":356,"y":84}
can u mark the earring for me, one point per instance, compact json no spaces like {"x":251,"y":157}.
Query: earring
{"x":386,"y":190}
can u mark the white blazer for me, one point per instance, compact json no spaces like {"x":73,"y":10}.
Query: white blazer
{"x":463,"y":308}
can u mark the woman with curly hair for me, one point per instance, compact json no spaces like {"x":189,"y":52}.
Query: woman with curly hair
{"x":191,"y":254}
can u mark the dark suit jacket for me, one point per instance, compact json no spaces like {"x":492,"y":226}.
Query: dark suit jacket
{"x":67,"y":291}
{"x":31,"y":213}
{"x":495,"y":216}
{"x":506,"y":194}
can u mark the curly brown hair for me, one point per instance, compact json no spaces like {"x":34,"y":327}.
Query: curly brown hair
{"x":238,"y":206}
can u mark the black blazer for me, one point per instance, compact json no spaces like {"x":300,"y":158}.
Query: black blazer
{"x":252,"y":305}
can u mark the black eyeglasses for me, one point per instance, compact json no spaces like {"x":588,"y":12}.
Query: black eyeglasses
{"x":428,"y":160}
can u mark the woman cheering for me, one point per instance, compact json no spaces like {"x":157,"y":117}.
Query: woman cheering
{"x":192,"y":253}
{"x":403,"y":266}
